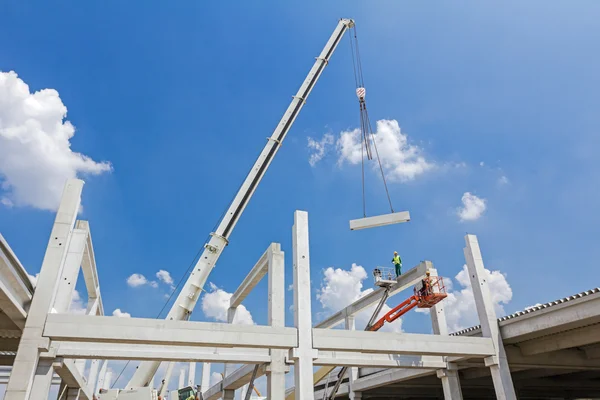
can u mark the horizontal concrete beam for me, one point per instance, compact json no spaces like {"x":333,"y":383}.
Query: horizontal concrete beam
{"x":389,"y":377}
{"x":159,"y":352}
{"x":564,"y":340}
{"x":406,"y":280}
{"x":86,"y":328}
{"x":236,"y":380}
{"x":342,"y":359}
{"x":379,"y":220}
{"x":403,"y":343}
{"x":592,"y":352}
{"x":253,"y":278}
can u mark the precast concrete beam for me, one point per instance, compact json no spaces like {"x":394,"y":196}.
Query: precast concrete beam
{"x":159,"y":352}
{"x":354,"y":359}
{"x":85,"y":328}
{"x":68,"y":372}
{"x":253,"y":278}
{"x":573,"y":338}
{"x":403,"y":343}
{"x":379,"y":220}
{"x":388,"y":377}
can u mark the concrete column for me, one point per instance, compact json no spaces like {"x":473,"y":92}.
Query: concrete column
{"x":72,"y":394}
{"x":62,"y":391}
{"x":108,"y":379}
{"x":205,"y":376}
{"x":352,"y":371}
{"x":70,"y":272}
{"x":26,"y":360}
{"x":181,"y":378}
{"x":448,"y":376}
{"x":167,"y":379}
{"x":42,"y":380}
{"x":276,"y":317}
{"x":229,"y":368}
{"x":93,"y":375}
{"x":498,"y":364}
{"x":101,"y":377}
{"x":304,"y":354}
{"x":192,"y":374}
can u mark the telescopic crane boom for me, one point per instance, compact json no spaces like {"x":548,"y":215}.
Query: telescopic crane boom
{"x":187,"y":298}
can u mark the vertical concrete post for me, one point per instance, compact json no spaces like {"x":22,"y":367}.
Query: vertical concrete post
{"x":229,"y":368}
{"x":192,"y":374}
{"x":181,"y":378}
{"x":448,"y":376}
{"x":352,"y":371}
{"x":167,"y":379}
{"x":498,"y":364}
{"x":304,"y":354}
{"x":93,"y":375}
{"x":26,"y":360}
{"x":70,"y":272}
{"x":276,"y":317}
{"x":108,"y":379}
{"x":101,"y":377}
{"x":42,"y":380}
{"x":205,"y":376}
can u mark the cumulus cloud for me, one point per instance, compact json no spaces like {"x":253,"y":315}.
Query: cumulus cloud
{"x":34,"y":279}
{"x":215,"y":378}
{"x":35,"y":150}
{"x":503,"y":180}
{"x":165,"y":277}
{"x":216,"y":303}
{"x":401,"y":160}
{"x":342,"y":287}
{"x":136,"y":280}
{"x":460,"y":304}
{"x":318,"y":148}
{"x":77,"y":304}
{"x":121,"y":314}
{"x":473,"y":207}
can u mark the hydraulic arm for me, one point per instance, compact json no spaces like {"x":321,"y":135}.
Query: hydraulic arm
{"x":187,"y":298}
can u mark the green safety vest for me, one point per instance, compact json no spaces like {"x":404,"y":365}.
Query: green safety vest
{"x":397,"y":260}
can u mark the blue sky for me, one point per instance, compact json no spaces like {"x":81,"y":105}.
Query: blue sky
{"x":179,"y":98}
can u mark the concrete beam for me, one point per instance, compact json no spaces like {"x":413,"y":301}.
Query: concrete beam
{"x":379,"y":220}
{"x":16,"y":285}
{"x":85,"y":328}
{"x":405,"y":281}
{"x":565,"y":340}
{"x":235,"y":380}
{"x":159,"y":352}
{"x":253,"y":278}
{"x":67,"y":370}
{"x":388,"y":377}
{"x":592,"y":352}
{"x":403,"y":343}
{"x":347,"y":359}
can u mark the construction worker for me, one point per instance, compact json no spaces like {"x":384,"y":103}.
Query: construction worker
{"x":426,"y":283}
{"x":397,"y":261}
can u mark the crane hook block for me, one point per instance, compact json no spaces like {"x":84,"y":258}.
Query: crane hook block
{"x":361,"y":92}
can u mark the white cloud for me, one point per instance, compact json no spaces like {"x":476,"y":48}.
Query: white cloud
{"x":216,"y":303}
{"x":319,"y":148}
{"x":165,"y":277}
{"x":215,"y":378}
{"x":473,"y":207}
{"x":121,"y":314}
{"x":460,"y":304}
{"x":136,"y":280}
{"x":35,"y":150}
{"x":481,"y":164}
{"x":34,"y":279}
{"x":342,"y":287}
{"x":77,"y":305}
{"x":401,"y":160}
{"x":503,"y":180}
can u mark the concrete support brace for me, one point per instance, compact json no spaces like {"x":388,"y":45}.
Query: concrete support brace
{"x":229,"y":368}
{"x":192,"y":375}
{"x":42,"y":380}
{"x":304,"y":354}
{"x":277,"y":369}
{"x":503,"y":384}
{"x":93,"y":375}
{"x":26,"y":361}
{"x":101,"y":377}
{"x":205,"y":384}
{"x":352,"y":371}
{"x":448,"y":376}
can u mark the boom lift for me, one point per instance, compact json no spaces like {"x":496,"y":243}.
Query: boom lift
{"x":426,"y":294}
{"x":190,"y":293}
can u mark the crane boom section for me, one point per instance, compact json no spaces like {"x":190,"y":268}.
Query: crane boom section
{"x":190,"y":292}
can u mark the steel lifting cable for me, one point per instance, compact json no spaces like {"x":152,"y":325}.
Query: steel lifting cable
{"x":367,"y":135}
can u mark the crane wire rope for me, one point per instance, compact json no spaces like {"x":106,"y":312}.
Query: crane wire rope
{"x":367,"y":135}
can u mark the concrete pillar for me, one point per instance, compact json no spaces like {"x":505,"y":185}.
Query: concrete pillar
{"x":70,"y":272}
{"x":62,"y":391}
{"x":93,"y":375}
{"x":229,"y":368}
{"x":304,"y":354}
{"x":167,"y":379}
{"x":108,"y":379}
{"x":101,"y":377}
{"x":498,"y":364}
{"x":352,"y":371}
{"x":42,"y":380}
{"x":26,"y":361}
{"x":181,"y":378}
{"x":448,"y":376}
{"x":205,"y":384}
{"x":276,"y":317}
{"x":192,"y":374}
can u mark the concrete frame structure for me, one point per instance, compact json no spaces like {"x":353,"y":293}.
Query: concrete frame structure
{"x":57,"y":343}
